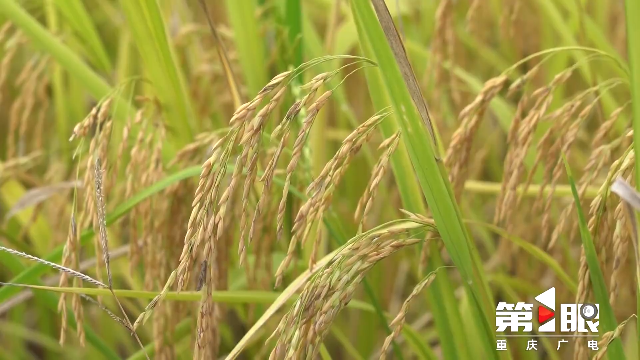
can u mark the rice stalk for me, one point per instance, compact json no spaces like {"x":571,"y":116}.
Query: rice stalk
{"x":104,"y":242}
{"x":55,"y":266}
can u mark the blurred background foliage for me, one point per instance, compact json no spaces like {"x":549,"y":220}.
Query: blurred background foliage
{"x":163,"y":77}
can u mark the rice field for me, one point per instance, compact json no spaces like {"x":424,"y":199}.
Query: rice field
{"x":320,"y":179}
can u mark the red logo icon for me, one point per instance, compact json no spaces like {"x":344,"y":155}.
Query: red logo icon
{"x":544,"y":314}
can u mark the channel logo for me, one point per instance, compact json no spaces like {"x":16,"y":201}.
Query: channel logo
{"x":580,"y":318}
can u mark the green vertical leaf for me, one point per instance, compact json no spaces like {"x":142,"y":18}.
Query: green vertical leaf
{"x":432,"y":177}
{"x":249,"y":43}
{"x":76,"y":15}
{"x":150,"y":35}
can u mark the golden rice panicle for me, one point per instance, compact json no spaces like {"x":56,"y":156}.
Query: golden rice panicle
{"x":98,"y":115}
{"x":266,"y":179}
{"x":23,"y":106}
{"x":210,"y":230}
{"x":366,"y":200}
{"x":151,"y":222}
{"x":603,"y":131}
{"x":282,"y":130}
{"x":548,"y":148}
{"x":514,"y":162}
{"x":621,"y":240}
{"x":398,"y":322}
{"x":555,"y":168}
{"x":472,"y":16}
{"x":442,"y":47}
{"x":312,"y":112}
{"x":198,"y":228}
{"x":252,"y":142}
{"x":320,"y":192}
{"x":70,"y":260}
{"x":512,"y":135}
{"x":600,"y":229}
{"x":195,"y":226}
{"x":190,"y":151}
{"x":137,"y":156}
{"x":12,"y":46}
{"x":457,"y":156}
{"x":97,"y":125}
{"x":207,"y":333}
{"x":246,"y":110}
{"x":124,"y":143}
{"x":599,"y":157}
{"x":304,"y":327}
{"x":336,"y":175}
{"x":609,"y":336}
{"x":522,"y":81}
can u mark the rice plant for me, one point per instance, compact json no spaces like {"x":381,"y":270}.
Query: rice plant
{"x":317,"y":179}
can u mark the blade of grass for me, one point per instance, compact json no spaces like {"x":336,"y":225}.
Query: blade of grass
{"x":38,"y":229}
{"x":607,"y":316}
{"x":416,"y":341}
{"x":324,"y":353}
{"x":293,"y":19}
{"x":150,"y":35}
{"x":432,"y":177}
{"x":78,"y":18}
{"x":440,"y":294}
{"x":248,"y":41}
{"x":40,"y":339}
{"x":63,"y":120}
{"x":346,"y":343}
